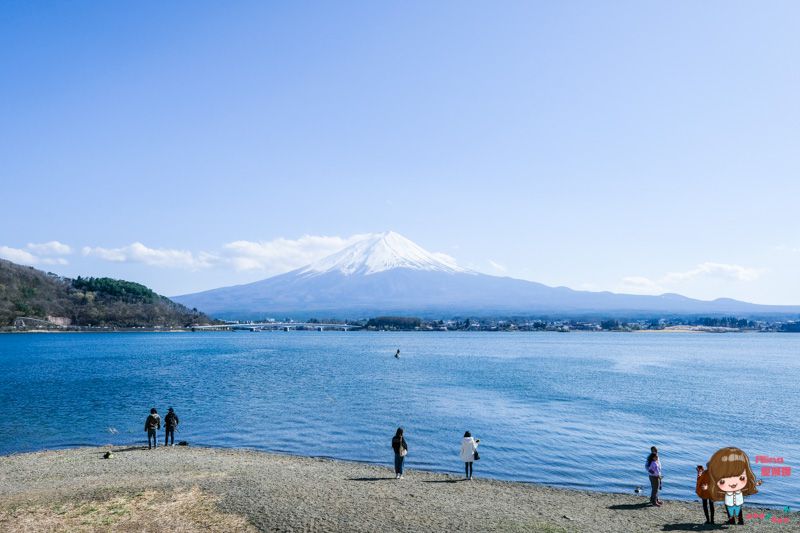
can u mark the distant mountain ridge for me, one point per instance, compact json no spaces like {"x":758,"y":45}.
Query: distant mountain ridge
{"x":27,"y":293}
{"x":387,"y":273}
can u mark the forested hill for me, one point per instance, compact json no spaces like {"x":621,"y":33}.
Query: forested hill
{"x":28,"y":292}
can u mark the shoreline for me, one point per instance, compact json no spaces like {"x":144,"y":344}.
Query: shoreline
{"x":681,"y":329}
{"x":138,"y":446}
{"x":272,"y":491}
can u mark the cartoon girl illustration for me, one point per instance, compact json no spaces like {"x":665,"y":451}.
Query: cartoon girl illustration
{"x":730,"y":479}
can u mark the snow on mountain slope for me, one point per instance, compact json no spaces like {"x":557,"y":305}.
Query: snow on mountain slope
{"x":386,"y":273}
{"x":380,"y":252}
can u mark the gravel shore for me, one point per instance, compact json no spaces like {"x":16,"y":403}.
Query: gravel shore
{"x":211,"y":489}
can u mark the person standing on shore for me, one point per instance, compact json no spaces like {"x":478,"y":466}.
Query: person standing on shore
{"x":469,"y":452}
{"x":170,"y":423}
{"x":703,"y":492}
{"x":151,"y":425}
{"x":400,"y":448}
{"x":653,"y":466}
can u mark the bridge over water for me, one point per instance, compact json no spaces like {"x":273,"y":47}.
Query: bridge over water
{"x":274,"y":326}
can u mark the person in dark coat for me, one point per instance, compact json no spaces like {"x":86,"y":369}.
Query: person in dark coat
{"x":702,"y":491}
{"x":400,"y":448}
{"x":170,"y":423}
{"x":151,"y":425}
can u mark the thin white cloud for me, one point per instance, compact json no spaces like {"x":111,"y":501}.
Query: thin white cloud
{"x":17,"y":255}
{"x":497,"y":267}
{"x":673,"y":280}
{"x":736,"y":272}
{"x":36,"y":254}
{"x":265,"y":257}
{"x":270,"y":257}
{"x":116,"y":255}
{"x":161,"y":257}
{"x":50,"y":248}
{"x":282,"y":255}
{"x":640,"y":285}
{"x":445,"y":258}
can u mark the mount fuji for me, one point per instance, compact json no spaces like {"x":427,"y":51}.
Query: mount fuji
{"x":387,"y":273}
{"x":381,"y":252}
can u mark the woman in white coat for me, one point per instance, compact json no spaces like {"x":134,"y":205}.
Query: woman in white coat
{"x":469,"y":447}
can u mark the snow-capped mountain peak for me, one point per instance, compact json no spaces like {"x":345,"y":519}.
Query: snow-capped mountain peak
{"x":378,"y":252}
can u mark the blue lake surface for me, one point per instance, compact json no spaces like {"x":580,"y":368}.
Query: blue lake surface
{"x":571,"y":410}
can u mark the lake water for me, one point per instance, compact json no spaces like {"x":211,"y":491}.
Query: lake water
{"x":571,"y":410}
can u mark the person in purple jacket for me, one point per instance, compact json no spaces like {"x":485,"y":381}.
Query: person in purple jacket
{"x":653,"y":466}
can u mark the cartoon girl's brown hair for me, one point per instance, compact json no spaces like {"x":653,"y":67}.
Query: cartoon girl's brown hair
{"x":729,"y":462}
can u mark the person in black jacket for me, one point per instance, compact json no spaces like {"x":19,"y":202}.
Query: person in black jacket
{"x":170,"y":423}
{"x":151,"y":425}
{"x":400,"y":450}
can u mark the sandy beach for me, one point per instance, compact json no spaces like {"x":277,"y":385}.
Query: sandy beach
{"x":212,"y":489}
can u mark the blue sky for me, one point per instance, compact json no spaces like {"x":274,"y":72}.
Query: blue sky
{"x":626,"y":146}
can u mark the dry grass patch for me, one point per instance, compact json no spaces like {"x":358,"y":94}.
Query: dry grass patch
{"x":182,"y":510}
